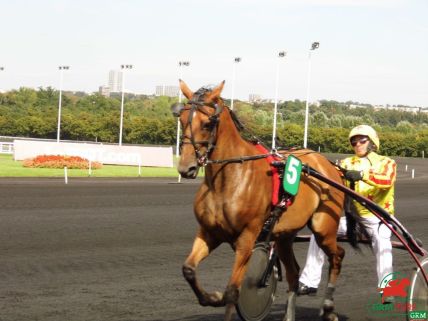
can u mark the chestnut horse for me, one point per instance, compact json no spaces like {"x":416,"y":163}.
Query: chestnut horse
{"x":234,"y":200}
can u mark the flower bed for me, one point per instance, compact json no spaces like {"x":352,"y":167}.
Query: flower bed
{"x":58,"y":161}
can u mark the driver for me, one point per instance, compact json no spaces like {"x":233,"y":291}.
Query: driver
{"x":374,"y":176}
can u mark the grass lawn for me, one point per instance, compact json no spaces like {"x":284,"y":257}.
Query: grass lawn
{"x":11,"y":168}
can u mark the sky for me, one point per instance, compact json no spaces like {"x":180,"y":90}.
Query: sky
{"x":371,"y":51}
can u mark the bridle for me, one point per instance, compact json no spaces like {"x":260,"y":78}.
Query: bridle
{"x":197,"y":104}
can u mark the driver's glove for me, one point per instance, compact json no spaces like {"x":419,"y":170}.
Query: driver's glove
{"x":354,"y":175}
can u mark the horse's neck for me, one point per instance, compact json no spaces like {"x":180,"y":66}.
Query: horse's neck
{"x":229,"y":145}
{"x":229,"y":141}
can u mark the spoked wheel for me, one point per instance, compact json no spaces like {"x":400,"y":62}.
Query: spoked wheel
{"x":255,"y":299}
{"x":418,"y":294}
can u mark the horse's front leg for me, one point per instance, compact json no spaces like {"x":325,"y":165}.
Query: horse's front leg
{"x":243,"y":249}
{"x":202,"y":247}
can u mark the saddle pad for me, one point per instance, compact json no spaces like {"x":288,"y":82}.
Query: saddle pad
{"x":275,"y":176}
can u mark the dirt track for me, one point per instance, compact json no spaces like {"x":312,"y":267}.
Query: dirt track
{"x":102,"y":249}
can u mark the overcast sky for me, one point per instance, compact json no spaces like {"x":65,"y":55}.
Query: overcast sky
{"x":372,"y":51}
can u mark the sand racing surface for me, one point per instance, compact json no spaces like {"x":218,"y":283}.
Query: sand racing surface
{"x":112,"y":249}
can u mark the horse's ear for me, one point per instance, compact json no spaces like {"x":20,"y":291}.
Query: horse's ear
{"x":185,"y":89}
{"x":216,"y":92}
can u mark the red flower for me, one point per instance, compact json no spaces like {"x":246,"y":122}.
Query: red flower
{"x":58,"y":161}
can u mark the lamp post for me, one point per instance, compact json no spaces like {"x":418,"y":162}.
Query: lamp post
{"x":1,"y":68}
{"x":315,"y":45}
{"x":123,"y":67}
{"x":181,"y":64}
{"x":180,"y":96}
{"x":281,"y":54}
{"x":236,"y":61}
{"x":61,"y":76}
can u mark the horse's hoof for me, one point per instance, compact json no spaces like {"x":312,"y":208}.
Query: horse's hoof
{"x":326,"y":312}
{"x":330,"y":317}
{"x":214,"y":299}
{"x":328,"y":306}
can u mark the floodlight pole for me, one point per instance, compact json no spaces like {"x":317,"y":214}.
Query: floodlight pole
{"x":315,"y":45}
{"x":61,"y":76}
{"x":181,"y":64}
{"x":123,"y":67}
{"x":236,"y":61}
{"x":281,"y":54}
{"x":1,"y":68}
{"x":180,"y":96}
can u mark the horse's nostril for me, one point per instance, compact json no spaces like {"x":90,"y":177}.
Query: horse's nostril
{"x":188,"y":172}
{"x":192,"y":171}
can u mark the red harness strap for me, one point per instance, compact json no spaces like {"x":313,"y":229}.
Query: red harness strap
{"x":275,"y":175}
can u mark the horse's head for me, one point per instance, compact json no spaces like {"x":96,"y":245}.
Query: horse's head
{"x":199,"y":120}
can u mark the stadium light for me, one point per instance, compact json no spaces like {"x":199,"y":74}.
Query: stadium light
{"x":181,"y":64}
{"x":236,"y":61}
{"x":281,"y":54}
{"x":61,"y":76}
{"x":315,"y":45}
{"x":180,"y":95}
{"x":123,"y":67}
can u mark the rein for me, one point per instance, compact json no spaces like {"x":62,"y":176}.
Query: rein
{"x":240,"y":159}
{"x":196,"y":105}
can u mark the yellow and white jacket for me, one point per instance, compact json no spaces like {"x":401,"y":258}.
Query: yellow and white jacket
{"x":379,"y":174}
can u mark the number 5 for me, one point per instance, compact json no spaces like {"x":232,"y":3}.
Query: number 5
{"x":292,"y":171}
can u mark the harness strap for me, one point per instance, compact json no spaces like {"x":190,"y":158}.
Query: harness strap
{"x":239,"y":159}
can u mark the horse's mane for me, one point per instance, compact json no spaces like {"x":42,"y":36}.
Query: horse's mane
{"x":201,"y":92}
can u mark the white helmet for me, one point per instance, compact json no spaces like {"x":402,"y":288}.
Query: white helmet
{"x":366,"y":130}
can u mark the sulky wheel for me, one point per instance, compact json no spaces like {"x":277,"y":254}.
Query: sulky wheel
{"x":418,"y":292}
{"x":255,"y":299}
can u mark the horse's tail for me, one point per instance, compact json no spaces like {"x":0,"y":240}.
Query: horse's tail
{"x":355,"y":227}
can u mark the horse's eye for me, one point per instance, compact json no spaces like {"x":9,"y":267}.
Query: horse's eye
{"x":206,"y":125}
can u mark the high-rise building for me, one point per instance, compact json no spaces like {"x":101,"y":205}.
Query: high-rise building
{"x":170,"y":91}
{"x":115,"y":81}
{"x":104,"y":90}
{"x":254,"y":98}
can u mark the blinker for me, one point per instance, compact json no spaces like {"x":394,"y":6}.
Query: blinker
{"x":218,"y":109}
{"x":176,"y":109}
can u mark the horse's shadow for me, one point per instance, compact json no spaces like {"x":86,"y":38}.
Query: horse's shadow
{"x":276,"y":314}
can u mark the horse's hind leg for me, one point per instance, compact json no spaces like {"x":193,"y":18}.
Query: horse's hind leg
{"x":202,"y":247}
{"x":286,"y":254}
{"x":324,"y":226}
{"x":335,"y":260}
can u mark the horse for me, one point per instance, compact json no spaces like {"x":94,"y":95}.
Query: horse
{"x":234,"y":201}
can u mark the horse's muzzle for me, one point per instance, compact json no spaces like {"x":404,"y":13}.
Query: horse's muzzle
{"x":190,"y":172}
